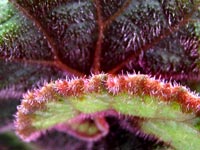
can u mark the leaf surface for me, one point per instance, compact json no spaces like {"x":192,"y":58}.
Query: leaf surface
{"x":185,"y":136}
{"x":43,"y":40}
{"x":80,"y":37}
{"x":79,"y":106}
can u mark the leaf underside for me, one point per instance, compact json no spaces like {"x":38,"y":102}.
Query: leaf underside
{"x":79,"y":106}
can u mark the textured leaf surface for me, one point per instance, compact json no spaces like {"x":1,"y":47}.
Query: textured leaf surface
{"x":104,"y":36}
{"x":185,"y":136}
{"x":70,"y":102}
{"x":41,"y":40}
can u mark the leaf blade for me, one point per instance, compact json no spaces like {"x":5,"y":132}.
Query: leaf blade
{"x":184,"y":135}
{"x":56,"y":99}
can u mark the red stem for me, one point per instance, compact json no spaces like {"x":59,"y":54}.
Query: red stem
{"x":97,"y":55}
{"x":96,"y":67}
